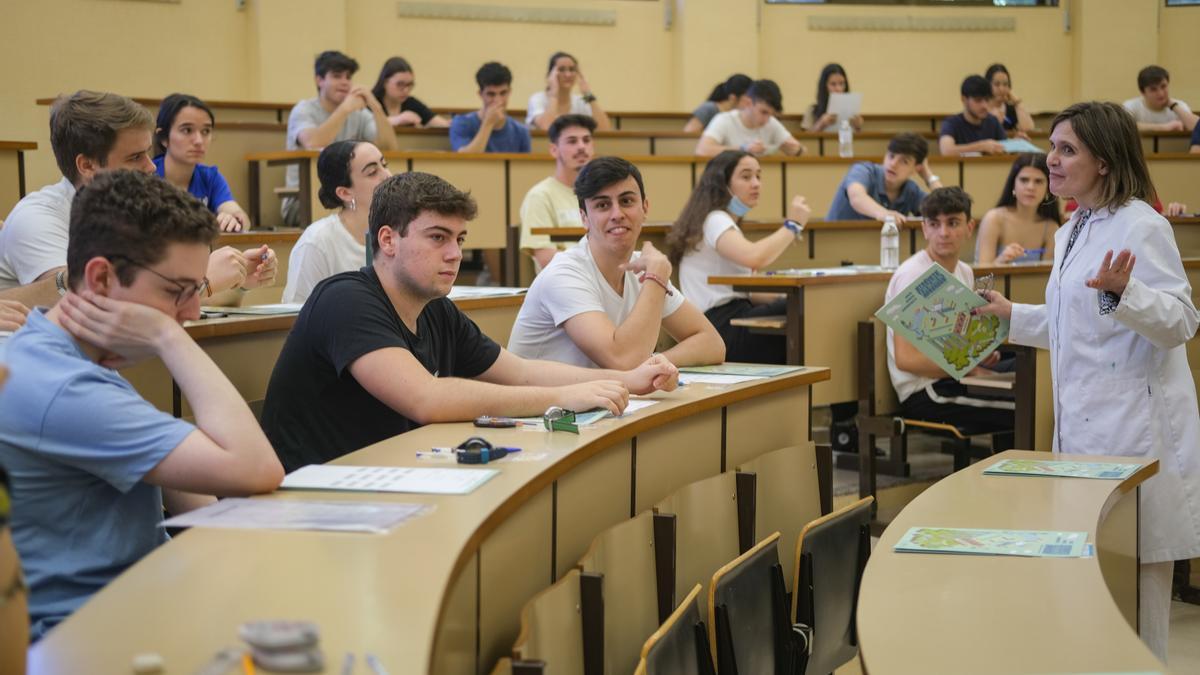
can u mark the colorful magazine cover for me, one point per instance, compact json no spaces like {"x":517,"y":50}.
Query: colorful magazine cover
{"x":1062,"y":469}
{"x":966,"y":541}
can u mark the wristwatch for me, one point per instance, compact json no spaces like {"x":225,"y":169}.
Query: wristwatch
{"x":589,"y":97}
{"x":60,"y":282}
{"x":796,"y":228}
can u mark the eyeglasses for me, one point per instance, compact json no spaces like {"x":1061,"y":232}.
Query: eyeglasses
{"x":402,"y":85}
{"x":560,"y":419}
{"x":186,"y":291}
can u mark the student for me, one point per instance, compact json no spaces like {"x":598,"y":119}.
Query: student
{"x":924,"y":389}
{"x":89,"y":497}
{"x":349,"y":172}
{"x":752,"y":127}
{"x":1155,"y":110}
{"x":556,"y":99}
{"x":181,"y":137}
{"x":341,"y":111}
{"x":552,"y":202}
{"x":725,"y":96}
{"x":974,"y":129}
{"x":817,"y":117}
{"x":1117,"y":321}
{"x":382,"y":350}
{"x":1004,"y":104}
{"x":706,"y":240}
{"x":602,"y":305}
{"x":1021,"y":228}
{"x":91,"y":132}
{"x":393,"y":90}
{"x":490,"y":129}
{"x":876,"y":191}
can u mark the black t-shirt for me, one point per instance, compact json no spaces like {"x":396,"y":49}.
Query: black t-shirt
{"x":414,"y":104}
{"x":964,"y":132}
{"x":315,"y":410}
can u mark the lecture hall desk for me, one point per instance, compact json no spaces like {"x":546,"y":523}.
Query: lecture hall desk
{"x":12,"y":173}
{"x":245,"y":348}
{"x":428,"y":595}
{"x":935,"y":614}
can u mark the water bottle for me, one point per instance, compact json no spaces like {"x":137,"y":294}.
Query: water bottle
{"x":889,"y":244}
{"x":845,"y":139}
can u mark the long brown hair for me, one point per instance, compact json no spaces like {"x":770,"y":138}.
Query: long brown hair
{"x":1110,"y":133}
{"x":711,"y":193}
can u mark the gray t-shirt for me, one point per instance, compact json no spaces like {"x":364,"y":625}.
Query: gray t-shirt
{"x":705,"y":112}
{"x":308,"y":114}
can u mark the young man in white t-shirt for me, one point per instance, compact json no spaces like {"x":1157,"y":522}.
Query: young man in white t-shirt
{"x":752,"y":126}
{"x":551,"y":202}
{"x":601,"y":304}
{"x":1155,"y":110}
{"x":924,"y":390}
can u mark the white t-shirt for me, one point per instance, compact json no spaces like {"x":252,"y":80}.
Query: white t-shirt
{"x":728,"y":130}
{"x":308,"y":114}
{"x":538,"y":104}
{"x":570,"y":285}
{"x":33,"y":240}
{"x":697,"y":266}
{"x":905,"y":383}
{"x":548,"y":204}
{"x":324,"y":249}
{"x":1137,"y":107}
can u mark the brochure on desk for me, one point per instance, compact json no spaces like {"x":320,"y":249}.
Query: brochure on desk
{"x":967,"y":541}
{"x":1062,"y":469}
{"x":934,"y":315}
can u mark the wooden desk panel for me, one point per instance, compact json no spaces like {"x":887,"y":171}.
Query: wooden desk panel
{"x":485,"y":179}
{"x":408,"y":596}
{"x":1176,"y":178}
{"x":1067,"y":615}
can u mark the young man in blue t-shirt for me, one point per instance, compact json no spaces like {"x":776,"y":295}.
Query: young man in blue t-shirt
{"x":490,"y":129}
{"x":974,"y":129}
{"x":91,"y":463}
{"x":876,"y":191}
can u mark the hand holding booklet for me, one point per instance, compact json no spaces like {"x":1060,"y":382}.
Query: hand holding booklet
{"x":934,"y":315}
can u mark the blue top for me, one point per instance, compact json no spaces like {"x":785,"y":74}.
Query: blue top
{"x":208,"y":185}
{"x":871,"y":176}
{"x":512,"y":137}
{"x":76,"y":440}
{"x":964,"y":132}
{"x":1196,"y":135}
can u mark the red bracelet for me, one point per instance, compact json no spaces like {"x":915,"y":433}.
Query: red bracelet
{"x":655,"y":278}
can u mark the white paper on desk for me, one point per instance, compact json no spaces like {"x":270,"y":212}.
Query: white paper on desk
{"x":464,"y":292}
{"x":636,"y":404}
{"x":265,"y":310}
{"x":296,"y":514}
{"x":845,"y":105}
{"x":387,"y":479}
{"x":717,"y":378}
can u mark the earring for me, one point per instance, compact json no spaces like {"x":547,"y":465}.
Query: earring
{"x":353,"y":204}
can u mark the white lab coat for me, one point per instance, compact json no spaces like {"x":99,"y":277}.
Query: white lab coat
{"x":1121,"y":381}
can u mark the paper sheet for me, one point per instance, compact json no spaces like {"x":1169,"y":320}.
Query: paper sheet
{"x":265,"y":310}
{"x":437,"y":481}
{"x":745,"y":369}
{"x":463,"y":292}
{"x":845,"y":105}
{"x":296,"y":514}
{"x":717,"y":378}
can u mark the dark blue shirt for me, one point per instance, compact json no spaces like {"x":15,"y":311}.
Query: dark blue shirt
{"x":1196,"y":136}
{"x":512,"y":137}
{"x":207,"y":185}
{"x":871,"y":176}
{"x":964,"y":132}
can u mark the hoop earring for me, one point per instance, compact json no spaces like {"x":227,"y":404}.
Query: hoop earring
{"x":353,"y":204}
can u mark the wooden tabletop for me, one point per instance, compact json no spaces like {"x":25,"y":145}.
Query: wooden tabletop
{"x":764,"y":282}
{"x":381,"y":594}
{"x":940,"y":613}
{"x":18,"y":146}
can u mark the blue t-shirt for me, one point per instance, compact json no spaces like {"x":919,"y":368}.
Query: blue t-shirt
{"x":871,"y":176}
{"x":512,"y":137}
{"x":964,"y":132}
{"x":207,"y":185}
{"x":76,"y":440}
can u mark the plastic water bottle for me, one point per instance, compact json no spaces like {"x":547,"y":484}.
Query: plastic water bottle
{"x":889,"y":244}
{"x":845,"y":139}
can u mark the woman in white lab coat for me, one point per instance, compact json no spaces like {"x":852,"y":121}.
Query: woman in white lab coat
{"x":1117,"y":318}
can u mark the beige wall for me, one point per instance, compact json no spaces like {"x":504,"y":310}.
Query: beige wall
{"x":209,"y":48}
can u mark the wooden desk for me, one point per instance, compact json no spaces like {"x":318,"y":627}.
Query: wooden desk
{"x":12,"y":173}
{"x":441,"y":593}
{"x":995,"y":614}
{"x":246,"y":348}
{"x":822,"y":320}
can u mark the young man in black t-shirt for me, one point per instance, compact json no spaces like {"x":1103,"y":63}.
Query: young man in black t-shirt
{"x":382,"y":350}
{"x":974,"y":129}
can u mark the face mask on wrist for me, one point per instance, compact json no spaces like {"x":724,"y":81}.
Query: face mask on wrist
{"x":737,"y":207}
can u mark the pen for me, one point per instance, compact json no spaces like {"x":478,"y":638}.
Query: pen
{"x":247,"y":664}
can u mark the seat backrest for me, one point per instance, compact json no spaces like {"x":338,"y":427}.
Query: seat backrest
{"x":706,"y":528}
{"x":873,"y":362}
{"x":787,"y":496}
{"x":552,"y":627}
{"x":625,"y":555}
{"x":830,"y":556}
{"x":748,"y":613}
{"x":680,"y":645}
